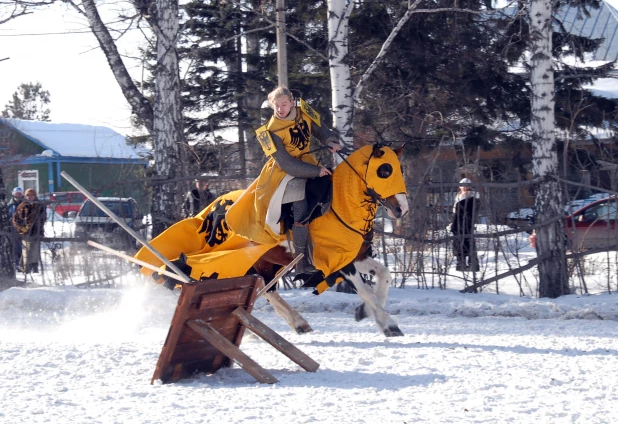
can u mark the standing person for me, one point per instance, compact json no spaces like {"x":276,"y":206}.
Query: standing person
{"x":462,"y":227}
{"x":17,"y":197}
{"x":29,"y":220}
{"x":198,"y":198}
{"x":286,"y":141}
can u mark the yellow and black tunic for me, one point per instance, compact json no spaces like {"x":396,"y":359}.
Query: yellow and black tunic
{"x":255,"y":214}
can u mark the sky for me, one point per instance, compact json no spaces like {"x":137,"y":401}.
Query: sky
{"x":45,"y":47}
{"x":70,"y":66}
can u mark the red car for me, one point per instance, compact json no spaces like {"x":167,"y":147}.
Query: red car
{"x":67,"y":201}
{"x":594,"y":225}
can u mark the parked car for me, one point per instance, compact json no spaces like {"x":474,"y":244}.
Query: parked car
{"x":520,"y":217}
{"x":594,"y":225}
{"x":94,"y":224}
{"x":575,"y":205}
{"x":66,"y":201}
{"x":525,"y":216}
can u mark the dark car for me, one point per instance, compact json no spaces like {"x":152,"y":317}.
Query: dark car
{"x":63,"y":202}
{"x":94,"y":224}
{"x":521,"y":217}
{"x":593,"y":226}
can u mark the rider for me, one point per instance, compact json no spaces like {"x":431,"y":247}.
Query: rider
{"x":285,"y":139}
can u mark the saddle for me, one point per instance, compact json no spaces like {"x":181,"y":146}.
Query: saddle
{"x":319,"y":195}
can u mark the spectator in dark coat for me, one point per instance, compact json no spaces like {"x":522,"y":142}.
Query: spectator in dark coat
{"x":29,"y":220}
{"x":464,"y":215}
{"x":17,"y":196}
{"x":198,"y":198}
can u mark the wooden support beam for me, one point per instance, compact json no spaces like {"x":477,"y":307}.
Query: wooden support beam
{"x":231,"y":351}
{"x":275,"y":340}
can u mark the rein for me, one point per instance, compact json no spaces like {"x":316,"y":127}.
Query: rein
{"x":371,"y":192}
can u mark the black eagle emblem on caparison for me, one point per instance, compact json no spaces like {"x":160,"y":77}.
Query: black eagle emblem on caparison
{"x":214,"y":225}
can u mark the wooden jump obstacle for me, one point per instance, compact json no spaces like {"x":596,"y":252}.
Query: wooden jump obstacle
{"x":207,"y":329}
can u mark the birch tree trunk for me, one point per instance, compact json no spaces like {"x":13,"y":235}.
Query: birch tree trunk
{"x":553,"y":277}
{"x":167,"y":124}
{"x":346,"y":97}
{"x":164,"y":120}
{"x":340,"y":79}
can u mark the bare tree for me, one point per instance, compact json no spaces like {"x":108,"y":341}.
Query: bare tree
{"x":346,"y":96}
{"x":168,"y":129}
{"x":164,"y":120}
{"x":11,"y":9}
{"x":553,"y":277}
{"x":339,"y":12}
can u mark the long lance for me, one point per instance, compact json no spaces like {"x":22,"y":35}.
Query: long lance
{"x":284,"y":271}
{"x":184,"y":278}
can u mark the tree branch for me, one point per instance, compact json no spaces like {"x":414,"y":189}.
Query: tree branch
{"x":140,"y":105}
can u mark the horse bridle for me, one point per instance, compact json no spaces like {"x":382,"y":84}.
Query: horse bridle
{"x":370,"y":192}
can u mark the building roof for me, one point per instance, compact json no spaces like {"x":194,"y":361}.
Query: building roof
{"x":602,"y":23}
{"x":76,"y":140}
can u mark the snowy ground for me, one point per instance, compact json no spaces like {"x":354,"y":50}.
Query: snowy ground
{"x":81,"y":355}
{"x":71,"y":355}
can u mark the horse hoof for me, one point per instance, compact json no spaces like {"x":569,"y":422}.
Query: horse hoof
{"x":361,"y":314}
{"x":393,"y":331}
{"x":303,"y":329}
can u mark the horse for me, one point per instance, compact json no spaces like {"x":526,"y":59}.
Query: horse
{"x":206,"y":247}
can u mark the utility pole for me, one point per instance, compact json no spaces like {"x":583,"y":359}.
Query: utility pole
{"x":282,"y":54}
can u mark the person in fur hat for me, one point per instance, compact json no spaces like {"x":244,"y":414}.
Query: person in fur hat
{"x":29,"y":221}
{"x":465,"y":210}
{"x":17,"y":196}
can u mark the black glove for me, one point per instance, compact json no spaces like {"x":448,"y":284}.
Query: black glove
{"x":170,"y":283}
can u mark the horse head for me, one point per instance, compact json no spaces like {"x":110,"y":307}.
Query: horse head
{"x":369,"y":177}
{"x":385,"y":181}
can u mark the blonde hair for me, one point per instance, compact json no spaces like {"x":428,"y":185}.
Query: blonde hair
{"x":279,"y":92}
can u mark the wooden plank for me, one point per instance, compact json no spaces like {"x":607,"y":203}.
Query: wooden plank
{"x":174,"y":333}
{"x":215,"y":286}
{"x":228,"y":298}
{"x":210,"y":314}
{"x":275,"y":340}
{"x":231,"y":351}
{"x":210,"y":307}
{"x":190,"y":351}
{"x":227,"y":328}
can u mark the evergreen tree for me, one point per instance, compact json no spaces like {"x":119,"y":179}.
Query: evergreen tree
{"x":227,"y":79}
{"x":29,"y":102}
{"x":308,"y":54}
{"x":450,"y":75}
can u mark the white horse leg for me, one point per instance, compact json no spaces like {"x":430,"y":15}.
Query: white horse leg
{"x":370,"y":266}
{"x":382,"y":276}
{"x":285,"y":311}
{"x":385,"y":322}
